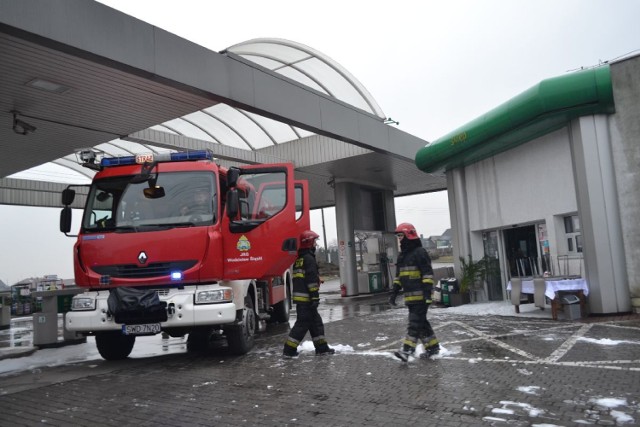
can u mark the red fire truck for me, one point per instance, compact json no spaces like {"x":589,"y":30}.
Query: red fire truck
{"x":175,"y":243}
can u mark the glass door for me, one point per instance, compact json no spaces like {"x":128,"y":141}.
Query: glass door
{"x":494,"y":280}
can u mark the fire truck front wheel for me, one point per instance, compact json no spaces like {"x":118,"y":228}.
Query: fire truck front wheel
{"x":240,"y":337}
{"x":113,"y":345}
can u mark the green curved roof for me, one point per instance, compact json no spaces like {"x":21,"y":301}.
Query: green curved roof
{"x":543,"y":108}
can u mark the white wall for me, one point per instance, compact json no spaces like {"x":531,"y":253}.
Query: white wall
{"x":529,"y":183}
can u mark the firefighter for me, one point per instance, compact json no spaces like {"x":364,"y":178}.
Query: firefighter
{"x":306,"y":296}
{"x":414,"y":275}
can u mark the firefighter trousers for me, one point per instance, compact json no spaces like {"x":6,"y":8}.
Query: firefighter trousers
{"x":419,"y":329}
{"x":307,"y":319}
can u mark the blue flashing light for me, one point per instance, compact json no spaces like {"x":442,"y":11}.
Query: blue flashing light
{"x":181,"y":156}
{"x":176,"y":275}
{"x":117,"y":161}
{"x":191,"y":155}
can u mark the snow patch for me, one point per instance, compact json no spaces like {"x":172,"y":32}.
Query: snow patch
{"x":607,"y":341}
{"x":609,"y":402}
{"x":531,"y":389}
{"x":621,"y":417}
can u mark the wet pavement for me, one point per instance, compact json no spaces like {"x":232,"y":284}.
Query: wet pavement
{"x":493,"y":370}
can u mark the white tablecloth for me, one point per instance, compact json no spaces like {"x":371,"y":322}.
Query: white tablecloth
{"x":553,"y":285}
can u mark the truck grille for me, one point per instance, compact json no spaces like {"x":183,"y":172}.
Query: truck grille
{"x":133,"y":271}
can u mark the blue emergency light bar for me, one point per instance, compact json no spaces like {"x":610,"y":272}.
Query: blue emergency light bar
{"x":181,"y":156}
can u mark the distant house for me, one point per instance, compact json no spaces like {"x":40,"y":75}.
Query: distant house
{"x":438,"y":244}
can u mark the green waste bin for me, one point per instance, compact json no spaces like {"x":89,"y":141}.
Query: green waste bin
{"x":444,"y":292}
{"x":375,"y":282}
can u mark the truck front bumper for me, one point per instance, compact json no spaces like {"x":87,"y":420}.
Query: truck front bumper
{"x":182,"y":312}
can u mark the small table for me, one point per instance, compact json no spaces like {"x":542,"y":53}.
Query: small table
{"x":554,"y":287}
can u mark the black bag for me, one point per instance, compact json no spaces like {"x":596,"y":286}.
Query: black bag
{"x":136,"y":306}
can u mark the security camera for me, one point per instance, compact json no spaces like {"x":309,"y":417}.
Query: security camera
{"x":22,"y":128}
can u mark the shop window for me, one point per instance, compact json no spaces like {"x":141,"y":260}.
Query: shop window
{"x":571,"y":224}
{"x":578,"y":243}
{"x":572,"y":231}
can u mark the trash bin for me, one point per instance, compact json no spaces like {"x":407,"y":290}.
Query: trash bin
{"x":437,"y":293}
{"x":571,"y":305}
{"x":454,"y":288}
{"x":444,"y":289}
{"x":45,"y":329}
{"x":375,"y":282}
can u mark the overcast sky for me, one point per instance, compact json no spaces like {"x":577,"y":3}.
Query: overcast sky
{"x":431,"y":65}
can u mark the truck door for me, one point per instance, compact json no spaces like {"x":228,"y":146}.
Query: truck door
{"x":260,"y":240}
{"x":303,"y":217}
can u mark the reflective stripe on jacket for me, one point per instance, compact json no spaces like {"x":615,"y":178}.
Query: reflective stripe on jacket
{"x":305,"y":278}
{"x":414,"y":275}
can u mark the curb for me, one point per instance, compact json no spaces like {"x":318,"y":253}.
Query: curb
{"x":15,"y":352}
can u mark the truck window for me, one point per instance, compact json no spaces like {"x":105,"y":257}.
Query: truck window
{"x":272,"y":200}
{"x":117,"y":203}
{"x":264,"y":195}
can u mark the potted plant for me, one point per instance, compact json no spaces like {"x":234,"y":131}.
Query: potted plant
{"x":471,"y":280}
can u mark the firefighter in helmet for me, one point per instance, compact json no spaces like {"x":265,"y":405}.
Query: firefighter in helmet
{"x":414,"y":275}
{"x":306,"y":296}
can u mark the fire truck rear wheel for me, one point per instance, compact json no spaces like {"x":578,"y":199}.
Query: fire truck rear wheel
{"x":113,"y":345}
{"x":240,"y":337}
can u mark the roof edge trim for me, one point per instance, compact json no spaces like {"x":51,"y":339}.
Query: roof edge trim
{"x":537,"y":111}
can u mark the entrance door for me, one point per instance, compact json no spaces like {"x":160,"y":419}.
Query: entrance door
{"x":494,"y":281}
{"x":521,"y":247}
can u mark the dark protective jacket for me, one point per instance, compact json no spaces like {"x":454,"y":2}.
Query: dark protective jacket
{"x":414,"y":275}
{"x":306,"y":278}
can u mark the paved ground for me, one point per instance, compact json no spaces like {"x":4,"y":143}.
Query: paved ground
{"x":493,"y":371}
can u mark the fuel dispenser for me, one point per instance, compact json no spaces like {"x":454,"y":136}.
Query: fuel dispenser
{"x":375,"y":252}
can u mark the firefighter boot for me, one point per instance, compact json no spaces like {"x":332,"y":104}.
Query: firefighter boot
{"x":289,"y":352}
{"x":404,"y":352}
{"x":324,"y":350}
{"x":430,"y":351}
{"x":402,"y":355}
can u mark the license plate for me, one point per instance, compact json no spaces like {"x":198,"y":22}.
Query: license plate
{"x":146,"y":329}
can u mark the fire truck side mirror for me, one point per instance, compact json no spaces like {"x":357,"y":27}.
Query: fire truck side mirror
{"x":65,"y":219}
{"x":233,"y":204}
{"x":67,"y":196}
{"x":232,"y":177}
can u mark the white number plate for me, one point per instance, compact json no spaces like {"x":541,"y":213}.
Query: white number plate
{"x":146,"y":329}
{"x":144,"y":158}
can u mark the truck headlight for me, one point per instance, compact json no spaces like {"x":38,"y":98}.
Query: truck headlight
{"x":214,"y":296}
{"x":83,"y":304}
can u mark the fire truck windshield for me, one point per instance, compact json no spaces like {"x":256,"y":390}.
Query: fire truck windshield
{"x":120,"y":204}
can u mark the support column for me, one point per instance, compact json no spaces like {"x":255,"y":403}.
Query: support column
{"x":345,"y":194}
{"x":599,"y":215}
{"x":459,"y":214}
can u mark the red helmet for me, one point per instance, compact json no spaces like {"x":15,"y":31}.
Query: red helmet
{"x":308,"y":239}
{"x":408,"y":230}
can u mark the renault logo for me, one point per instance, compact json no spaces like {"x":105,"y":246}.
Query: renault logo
{"x":142,"y":257}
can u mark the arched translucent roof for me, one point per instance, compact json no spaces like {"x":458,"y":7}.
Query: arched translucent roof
{"x":226,"y":125}
{"x":223,"y":124}
{"x":309,"y":67}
